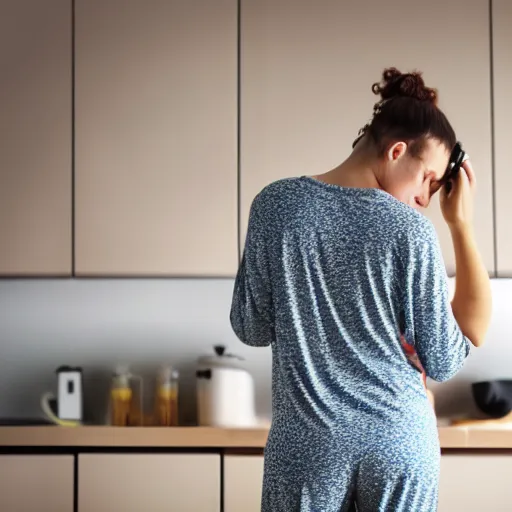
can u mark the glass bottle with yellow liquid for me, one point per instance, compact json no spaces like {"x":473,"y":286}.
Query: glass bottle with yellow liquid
{"x":166,"y":397}
{"x":123,"y":409}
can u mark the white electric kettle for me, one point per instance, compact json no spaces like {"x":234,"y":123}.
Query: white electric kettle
{"x":225,"y":391}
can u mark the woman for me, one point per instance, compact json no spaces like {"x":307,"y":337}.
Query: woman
{"x":337,"y":270}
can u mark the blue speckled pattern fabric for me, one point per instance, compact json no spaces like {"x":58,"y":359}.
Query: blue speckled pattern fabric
{"x":330,"y":277}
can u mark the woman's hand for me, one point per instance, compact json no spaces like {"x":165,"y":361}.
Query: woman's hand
{"x":457,"y":205}
{"x":472,"y":301}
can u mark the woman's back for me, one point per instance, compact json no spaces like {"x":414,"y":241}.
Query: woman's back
{"x":331,"y":278}
{"x":343,"y":269}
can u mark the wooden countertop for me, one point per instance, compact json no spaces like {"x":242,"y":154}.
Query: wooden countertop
{"x":203,"y":437}
{"x":132,"y":437}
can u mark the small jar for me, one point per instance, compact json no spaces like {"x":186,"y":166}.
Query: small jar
{"x":121,"y":395}
{"x":166,"y":399}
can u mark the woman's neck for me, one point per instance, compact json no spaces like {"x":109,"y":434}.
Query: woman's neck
{"x":355,"y":172}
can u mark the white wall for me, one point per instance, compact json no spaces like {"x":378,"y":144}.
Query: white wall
{"x":492,"y":361}
{"x":99,"y":323}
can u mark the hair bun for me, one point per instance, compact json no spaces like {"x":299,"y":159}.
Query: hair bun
{"x":411,"y":85}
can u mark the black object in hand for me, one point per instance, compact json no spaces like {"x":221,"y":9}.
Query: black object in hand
{"x":454,"y":165}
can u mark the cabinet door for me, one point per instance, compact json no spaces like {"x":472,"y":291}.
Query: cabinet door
{"x":502,"y":48}
{"x":35,"y":138}
{"x":243,"y":479}
{"x":36,"y":483}
{"x":156,"y":137}
{"x":156,"y":483}
{"x":307,"y":71}
{"x":474,"y":483}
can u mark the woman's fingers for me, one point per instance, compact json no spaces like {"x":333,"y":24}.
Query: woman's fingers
{"x":470,"y":173}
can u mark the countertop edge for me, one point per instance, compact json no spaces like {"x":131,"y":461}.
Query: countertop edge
{"x":206,"y":437}
{"x":132,"y":437}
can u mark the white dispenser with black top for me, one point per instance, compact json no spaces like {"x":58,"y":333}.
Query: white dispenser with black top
{"x":69,"y":399}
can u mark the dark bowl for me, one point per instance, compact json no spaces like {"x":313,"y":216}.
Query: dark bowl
{"x":493,"y":397}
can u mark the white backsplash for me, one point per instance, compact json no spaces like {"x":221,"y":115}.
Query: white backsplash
{"x":99,"y":323}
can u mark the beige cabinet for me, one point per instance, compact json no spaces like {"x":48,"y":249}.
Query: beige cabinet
{"x":36,"y":483}
{"x":156,"y":137}
{"x":155,"y":482}
{"x":473,"y":483}
{"x":35,"y":137}
{"x":502,"y":49}
{"x":306,"y":75}
{"x":243,"y":479}
{"x":469,"y":483}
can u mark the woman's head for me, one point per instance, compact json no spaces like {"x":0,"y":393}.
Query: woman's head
{"x":410,"y":137}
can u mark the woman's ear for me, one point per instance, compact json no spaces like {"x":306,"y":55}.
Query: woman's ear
{"x":396,"y":151}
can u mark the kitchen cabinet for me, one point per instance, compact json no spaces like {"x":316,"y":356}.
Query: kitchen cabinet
{"x":156,"y":138}
{"x":36,"y":483}
{"x":143,"y":482}
{"x":243,"y":480}
{"x":469,"y":482}
{"x":502,"y":48}
{"x":306,"y":74}
{"x":35,"y":138}
{"x":475,"y":482}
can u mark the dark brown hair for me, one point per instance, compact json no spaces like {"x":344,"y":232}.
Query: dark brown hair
{"x":407,"y":111}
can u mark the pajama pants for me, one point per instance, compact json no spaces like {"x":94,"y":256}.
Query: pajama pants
{"x":392,"y":471}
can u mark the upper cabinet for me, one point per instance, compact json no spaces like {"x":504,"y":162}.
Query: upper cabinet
{"x":156,"y":138}
{"x":502,"y":50}
{"x":306,"y":75}
{"x":35,"y":138}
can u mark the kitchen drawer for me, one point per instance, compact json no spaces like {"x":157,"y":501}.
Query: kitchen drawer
{"x":149,"y":483}
{"x":36,"y":483}
{"x":475,"y":483}
{"x":243,"y":478}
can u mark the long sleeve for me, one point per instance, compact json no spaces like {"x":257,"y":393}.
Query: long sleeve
{"x":251,"y":310}
{"x":430,"y":324}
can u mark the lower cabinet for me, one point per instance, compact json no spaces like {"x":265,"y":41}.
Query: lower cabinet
{"x":475,"y":483}
{"x":149,"y":483}
{"x":192,"y":483}
{"x":243,"y":478}
{"x":36,"y":483}
{"x":469,"y":483}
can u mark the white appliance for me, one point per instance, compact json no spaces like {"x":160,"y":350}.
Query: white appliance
{"x":225,"y":391}
{"x":69,"y":398}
